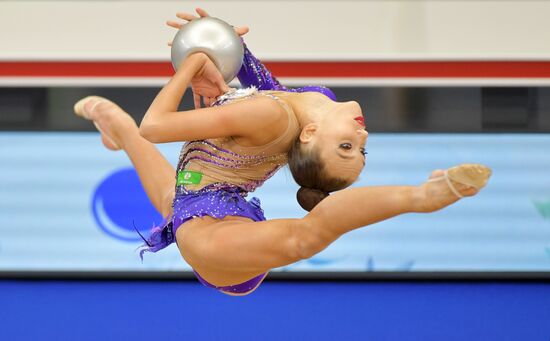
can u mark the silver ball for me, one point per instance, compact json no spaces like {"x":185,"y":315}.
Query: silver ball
{"x":215,"y":38}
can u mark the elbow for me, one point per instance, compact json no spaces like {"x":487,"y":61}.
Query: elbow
{"x":147,"y":131}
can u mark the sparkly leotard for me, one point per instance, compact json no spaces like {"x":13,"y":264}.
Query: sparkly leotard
{"x":228,"y":171}
{"x":224,"y":162}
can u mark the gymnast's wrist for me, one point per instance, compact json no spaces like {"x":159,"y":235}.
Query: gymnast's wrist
{"x":192,"y":64}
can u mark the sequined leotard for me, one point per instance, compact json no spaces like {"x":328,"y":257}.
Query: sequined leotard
{"x":214,"y":176}
{"x":223,"y":161}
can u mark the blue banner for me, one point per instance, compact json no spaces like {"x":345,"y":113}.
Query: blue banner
{"x":68,"y":204}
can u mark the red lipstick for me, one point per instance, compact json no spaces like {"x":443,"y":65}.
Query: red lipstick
{"x":360,"y":120}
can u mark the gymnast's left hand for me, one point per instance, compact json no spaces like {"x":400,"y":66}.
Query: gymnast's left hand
{"x":187,"y":17}
{"x":207,"y":82}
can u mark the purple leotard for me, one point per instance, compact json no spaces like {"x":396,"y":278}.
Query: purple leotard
{"x":254,"y":73}
{"x":219,"y":200}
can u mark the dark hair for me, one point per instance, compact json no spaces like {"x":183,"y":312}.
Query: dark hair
{"x":309,"y":172}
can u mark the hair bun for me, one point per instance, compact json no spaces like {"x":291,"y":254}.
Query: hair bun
{"x":309,"y":197}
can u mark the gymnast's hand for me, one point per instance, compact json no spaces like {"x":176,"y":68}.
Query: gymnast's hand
{"x":207,"y":82}
{"x":200,"y":88}
{"x":240,"y":30}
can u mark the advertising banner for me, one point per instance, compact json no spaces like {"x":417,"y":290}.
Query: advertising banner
{"x":68,"y":204}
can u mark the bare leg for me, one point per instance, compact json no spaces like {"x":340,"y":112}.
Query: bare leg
{"x":155,"y":172}
{"x":228,"y":252}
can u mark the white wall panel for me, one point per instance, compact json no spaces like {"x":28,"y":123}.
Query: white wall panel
{"x":282,"y":30}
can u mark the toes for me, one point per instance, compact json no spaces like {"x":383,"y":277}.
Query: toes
{"x":464,"y":189}
{"x":473,"y":175}
{"x":94,"y":107}
{"x":79,"y":107}
{"x":88,"y":107}
{"x":470,"y":192}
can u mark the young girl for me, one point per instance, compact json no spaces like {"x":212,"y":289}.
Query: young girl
{"x":238,"y":143}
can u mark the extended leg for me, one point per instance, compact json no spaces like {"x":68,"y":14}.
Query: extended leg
{"x":274,"y":243}
{"x":155,"y":172}
{"x":229,"y":251}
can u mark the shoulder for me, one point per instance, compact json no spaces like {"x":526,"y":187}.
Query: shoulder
{"x":265,"y":108}
{"x":262,"y":118}
{"x":263,"y":111}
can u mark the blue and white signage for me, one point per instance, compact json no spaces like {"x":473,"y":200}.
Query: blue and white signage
{"x":66,"y":203}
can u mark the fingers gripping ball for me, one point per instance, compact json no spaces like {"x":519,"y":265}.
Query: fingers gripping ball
{"x":215,"y":38}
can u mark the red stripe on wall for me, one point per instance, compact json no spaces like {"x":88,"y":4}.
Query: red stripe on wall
{"x":85,"y":69}
{"x":412,"y":69}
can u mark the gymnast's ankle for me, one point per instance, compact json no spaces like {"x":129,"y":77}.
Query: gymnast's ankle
{"x":420,"y":200}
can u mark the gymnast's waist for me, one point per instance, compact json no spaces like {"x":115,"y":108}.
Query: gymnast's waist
{"x":183,"y":190}
{"x":191,"y":182}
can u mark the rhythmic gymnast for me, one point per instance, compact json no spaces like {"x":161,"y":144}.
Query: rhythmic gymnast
{"x":239,"y":140}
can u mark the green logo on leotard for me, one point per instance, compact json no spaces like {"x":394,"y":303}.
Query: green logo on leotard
{"x":189,"y":178}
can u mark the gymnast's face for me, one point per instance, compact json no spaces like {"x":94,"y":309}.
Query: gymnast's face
{"x":340,"y":137}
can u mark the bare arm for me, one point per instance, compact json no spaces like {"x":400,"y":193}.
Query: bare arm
{"x":197,"y":95}
{"x":259,"y":120}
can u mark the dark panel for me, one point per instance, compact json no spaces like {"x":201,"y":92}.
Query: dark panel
{"x":417,"y":109}
{"x":23,"y":107}
{"x":387,"y":109}
{"x":511,"y":109}
{"x":542,"y":111}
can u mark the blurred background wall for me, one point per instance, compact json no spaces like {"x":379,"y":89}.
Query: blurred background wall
{"x":282,"y":30}
{"x":440,"y":82}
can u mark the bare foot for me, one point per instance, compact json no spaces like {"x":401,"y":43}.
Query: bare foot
{"x":109,"y":119}
{"x":446,"y":187}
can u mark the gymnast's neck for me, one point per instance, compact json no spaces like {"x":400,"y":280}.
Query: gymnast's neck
{"x":309,"y":107}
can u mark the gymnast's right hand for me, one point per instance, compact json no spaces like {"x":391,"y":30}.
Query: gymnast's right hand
{"x":207,"y":82}
{"x":240,"y":30}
